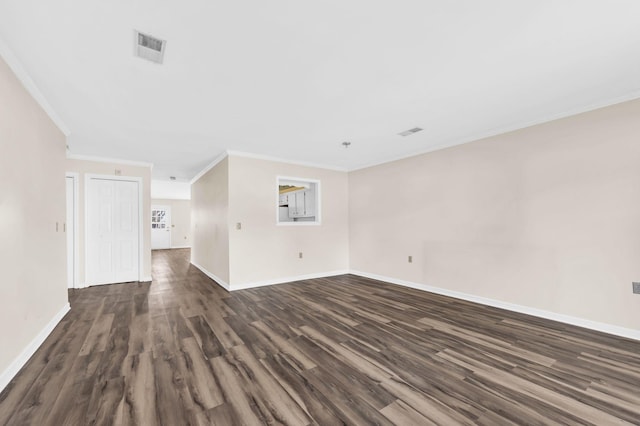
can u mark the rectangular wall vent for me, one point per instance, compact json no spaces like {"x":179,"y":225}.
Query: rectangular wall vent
{"x":149,"y":47}
{"x":410,"y":131}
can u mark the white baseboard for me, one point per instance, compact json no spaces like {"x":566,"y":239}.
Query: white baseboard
{"x":567,"y":319}
{"x":629,"y":333}
{"x":180,"y":247}
{"x":141,"y":280}
{"x":9,"y":373}
{"x":214,"y":277}
{"x":283,"y":280}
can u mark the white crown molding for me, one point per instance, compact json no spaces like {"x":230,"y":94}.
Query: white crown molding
{"x":208,"y":167}
{"x":283,"y":160}
{"x":9,"y":373}
{"x":473,"y":138}
{"x":18,"y":69}
{"x":476,"y":137}
{"x":231,"y":153}
{"x":541,"y":313}
{"x":109,"y":160}
{"x":503,"y":130}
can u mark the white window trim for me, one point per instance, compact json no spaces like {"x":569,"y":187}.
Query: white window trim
{"x":318,"y":204}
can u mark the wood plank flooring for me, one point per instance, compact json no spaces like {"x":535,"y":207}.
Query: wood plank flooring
{"x":341,"y":350}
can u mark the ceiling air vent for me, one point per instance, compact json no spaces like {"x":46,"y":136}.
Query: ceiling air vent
{"x":410,"y":131}
{"x":149,"y":47}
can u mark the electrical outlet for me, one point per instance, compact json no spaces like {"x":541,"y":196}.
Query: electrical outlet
{"x":636,"y":288}
{"x":410,"y":259}
{"x":300,"y":255}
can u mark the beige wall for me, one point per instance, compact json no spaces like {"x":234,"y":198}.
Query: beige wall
{"x":83,"y":167}
{"x":209,"y":221}
{"x":33,"y":287}
{"x":180,"y":220}
{"x":546,"y":217}
{"x":263,"y":251}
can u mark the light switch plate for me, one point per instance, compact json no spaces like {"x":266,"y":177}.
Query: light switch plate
{"x":636,"y":288}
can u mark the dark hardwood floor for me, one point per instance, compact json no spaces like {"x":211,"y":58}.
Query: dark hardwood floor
{"x":342,"y":350}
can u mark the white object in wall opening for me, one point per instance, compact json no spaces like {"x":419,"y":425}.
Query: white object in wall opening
{"x":113,"y":240}
{"x":298,"y":201}
{"x":160,"y":227}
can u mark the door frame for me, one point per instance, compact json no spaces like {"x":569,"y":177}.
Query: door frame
{"x":76,"y":228}
{"x":138,"y":181}
{"x":166,"y":207}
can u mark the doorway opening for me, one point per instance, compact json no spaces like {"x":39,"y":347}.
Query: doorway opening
{"x":160,"y":227}
{"x":113,"y":229}
{"x":71,"y":229}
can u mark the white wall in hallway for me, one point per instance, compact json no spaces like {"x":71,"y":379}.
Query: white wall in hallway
{"x":33,"y":292}
{"x":210,"y":222}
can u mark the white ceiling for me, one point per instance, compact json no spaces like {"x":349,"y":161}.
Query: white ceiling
{"x":293,"y":79}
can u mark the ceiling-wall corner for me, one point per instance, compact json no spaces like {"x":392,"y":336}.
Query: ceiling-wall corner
{"x":18,"y":69}
{"x":209,"y":166}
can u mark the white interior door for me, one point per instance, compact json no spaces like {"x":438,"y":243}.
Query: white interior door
{"x":160,"y":227}
{"x":112,"y":231}
{"x":70,"y":229}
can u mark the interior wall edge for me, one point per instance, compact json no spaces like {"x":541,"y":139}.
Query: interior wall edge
{"x":541,"y":313}
{"x":208,"y":167}
{"x":284,"y":280}
{"x":9,"y":373}
{"x":30,"y":86}
{"x":213,"y":276}
{"x":292,"y":162}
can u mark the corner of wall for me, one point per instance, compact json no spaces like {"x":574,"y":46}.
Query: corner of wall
{"x":10,"y":372}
